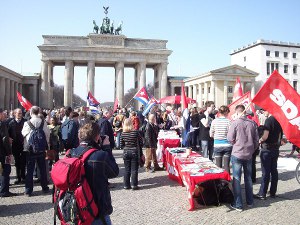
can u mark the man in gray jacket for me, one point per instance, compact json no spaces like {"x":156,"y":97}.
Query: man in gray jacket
{"x":243,"y":135}
{"x":32,"y":157}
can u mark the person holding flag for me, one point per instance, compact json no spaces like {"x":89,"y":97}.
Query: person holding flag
{"x":93,"y":103}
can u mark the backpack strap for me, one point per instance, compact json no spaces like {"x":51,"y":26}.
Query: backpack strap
{"x":86,"y":153}
{"x":31,"y":125}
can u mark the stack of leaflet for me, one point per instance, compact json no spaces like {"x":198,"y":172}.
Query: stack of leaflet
{"x":167,"y":134}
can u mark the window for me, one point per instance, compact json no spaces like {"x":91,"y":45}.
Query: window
{"x":295,"y":84}
{"x":267,"y":53}
{"x":229,"y":101}
{"x":277,"y":66}
{"x":245,"y":58}
{"x":230,"y":89}
{"x":268,"y":68}
{"x":202,"y":90}
{"x":208,"y":89}
{"x":294,"y":69}
{"x":285,"y":54}
{"x":294,"y":55}
{"x":286,"y":68}
{"x":276,"y":53}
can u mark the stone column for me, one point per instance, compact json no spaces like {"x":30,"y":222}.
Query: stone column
{"x":213,"y":91}
{"x":51,"y":85}
{"x":91,"y":77}
{"x":119,"y":70}
{"x":12,"y":95}
{"x":141,"y":74}
{"x":243,"y":86}
{"x":252,"y":89}
{"x":68,"y":91}
{"x":190,"y":91}
{"x":164,"y":80}
{"x":20,"y":88}
{"x":157,"y":79}
{"x":44,"y":85}
{"x":225,"y":92}
{"x":35,"y":94}
{"x":205,"y":92}
{"x":172,"y":90}
{"x":16,"y":97}
{"x":195,"y":91}
{"x":7,"y":93}
{"x":200,"y":95}
{"x":2,"y":92}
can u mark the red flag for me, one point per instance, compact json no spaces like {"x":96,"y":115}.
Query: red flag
{"x":279,"y":98}
{"x":243,"y":100}
{"x":116,"y":105}
{"x":24,"y":102}
{"x":238,"y":91}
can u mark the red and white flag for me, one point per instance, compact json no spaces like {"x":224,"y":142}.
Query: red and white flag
{"x":116,"y":105}
{"x":24,"y":102}
{"x":279,"y":98}
{"x":243,"y":100}
{"x":238,"y":91}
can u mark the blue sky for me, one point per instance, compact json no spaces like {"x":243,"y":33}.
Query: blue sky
{"x":200,"y":33}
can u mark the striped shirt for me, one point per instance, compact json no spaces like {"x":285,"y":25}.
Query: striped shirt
{"x":218,"y":130}
{"x":129,"y":140}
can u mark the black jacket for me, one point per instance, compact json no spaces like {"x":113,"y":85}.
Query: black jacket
{"x":106,"y":129}
{"x":151,"y":133}
{"x":5,"y":147}
{"x":15,"y":132}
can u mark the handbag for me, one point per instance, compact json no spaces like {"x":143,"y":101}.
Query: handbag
{"x":140,"y":157}
{"x":51,"y":154}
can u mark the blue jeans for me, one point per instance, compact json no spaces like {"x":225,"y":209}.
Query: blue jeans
{"x":118,"y":144}
{"x":98,"y":221}
{"x":131,"y":164}
{"x":207,"y":148}
{"x":237,"y":165}
{"x":269,"y":167}
{"x":31,"y":159}
{"x":4,"y":179}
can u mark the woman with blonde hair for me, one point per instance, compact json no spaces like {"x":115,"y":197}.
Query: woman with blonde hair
{"x":131,"y":142}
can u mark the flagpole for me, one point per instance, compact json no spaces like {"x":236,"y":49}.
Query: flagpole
{"x":128,"y":102}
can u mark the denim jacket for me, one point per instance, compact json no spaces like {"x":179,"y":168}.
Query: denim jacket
{"x":99,"y":167}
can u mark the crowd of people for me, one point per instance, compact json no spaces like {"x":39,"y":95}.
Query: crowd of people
{"x":211,"y":133}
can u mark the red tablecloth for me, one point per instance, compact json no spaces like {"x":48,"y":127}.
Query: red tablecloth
{"x":174,"y":168}
{"x":168,"y":143}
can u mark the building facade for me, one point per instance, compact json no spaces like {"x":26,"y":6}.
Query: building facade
{"x":263,"y":57}
{"x":218,"y":85}
{"x":11,"y":82}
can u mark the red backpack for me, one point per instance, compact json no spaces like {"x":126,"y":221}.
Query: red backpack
{"x":73,"y":198}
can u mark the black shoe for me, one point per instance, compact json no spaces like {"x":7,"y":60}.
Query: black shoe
{"x":17,"y":182}
{"x":8,"y":194}
{"x":28,"y":194}
{"x":261,"y":197}
{"x":110,"y":185}
{"x":273,"y":196}
{"x":37,"y":181}
{"x":159,"y":169}
{"x":127,"y":188}
{"x":46,"y":190}
{"x":135,"y":188}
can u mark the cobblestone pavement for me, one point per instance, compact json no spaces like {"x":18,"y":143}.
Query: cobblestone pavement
{"x":162,"y":201}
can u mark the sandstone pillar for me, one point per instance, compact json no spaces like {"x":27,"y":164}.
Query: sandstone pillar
{"x":68,"y":89}
{"x":164,"y":80}
{"x":44,"y":86}
{"x":119,"y":71}
{"x":2,"y":92}
{"x":12,"y":95}
{"x":141,"y":73}
{"x":195,"y":91}
{"x":252,"y":89}
{"x":190,"y":91}
{"x":200,"y":95}
{"x":51,"y":85}
{"x":212,"y":91}
{"x":225,"y":92}
{"x":16,"y":97}
{"x":91,"y":77}
{"x":7,"y":93}
{"x":205,"y":92}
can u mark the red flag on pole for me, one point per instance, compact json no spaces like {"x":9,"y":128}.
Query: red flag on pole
{"x":116,"y":105}
{"x":279,"y":98}
{"x":24,"y":102}
{"x":184,"y":104}
{"x":243,"y":100}
{"x":238,"y":91}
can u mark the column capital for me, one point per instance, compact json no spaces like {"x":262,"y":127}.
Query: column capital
{"x":119,"y":65}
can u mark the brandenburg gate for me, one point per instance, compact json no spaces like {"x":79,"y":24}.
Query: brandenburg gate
{"x":102,"y":50}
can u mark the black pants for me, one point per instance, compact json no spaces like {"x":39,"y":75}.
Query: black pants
{"x":20,"y":163}
{"x":131,"y":164}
